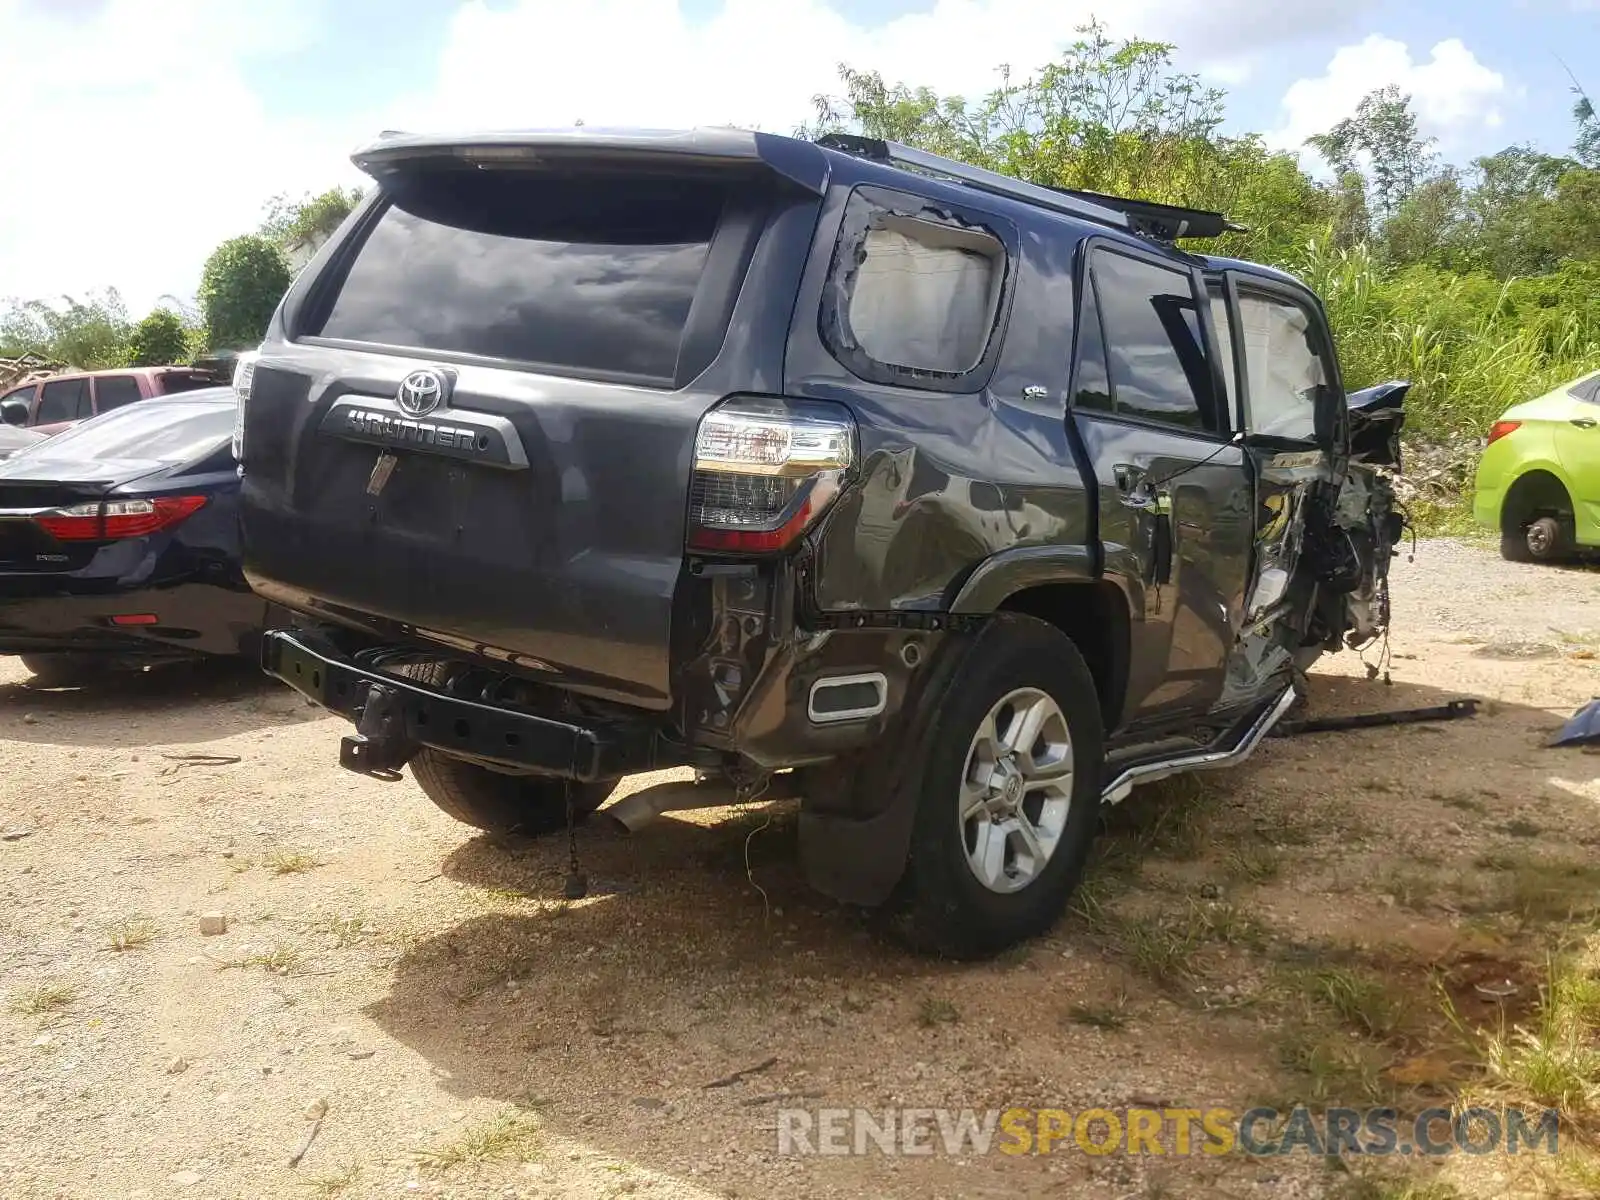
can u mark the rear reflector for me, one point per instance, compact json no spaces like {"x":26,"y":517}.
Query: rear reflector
{"x":1500,"y":428}
{"x":136,"y":619}
{"x":113,"y":519}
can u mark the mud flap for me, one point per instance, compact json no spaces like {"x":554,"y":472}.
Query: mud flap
{"x":860,"y":859}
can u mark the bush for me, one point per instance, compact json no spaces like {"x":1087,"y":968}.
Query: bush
{"x":159,"y":340}
{"x":240,"y":287}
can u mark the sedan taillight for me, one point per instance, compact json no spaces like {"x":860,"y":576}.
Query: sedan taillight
{"x":1500,"y":428}
{"x":764,"y":471}
{"x":115,"y":519}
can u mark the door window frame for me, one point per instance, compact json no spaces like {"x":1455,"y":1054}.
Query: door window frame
{"x":1236,"y":282}
{"x":1219,"y":424}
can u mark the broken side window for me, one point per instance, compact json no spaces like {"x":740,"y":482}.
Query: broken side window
{"x":915,"y":294}
{"x":1285,"y":369}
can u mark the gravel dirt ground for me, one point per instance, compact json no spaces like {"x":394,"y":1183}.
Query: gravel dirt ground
{"x":468,"y":1034}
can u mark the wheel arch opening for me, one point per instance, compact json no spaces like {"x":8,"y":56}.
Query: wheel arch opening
{"x":1534,"y":494}
{"x":1094,"y":614}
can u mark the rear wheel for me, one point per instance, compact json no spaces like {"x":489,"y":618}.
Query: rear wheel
{"x":1544,"y":539}
{"x":1009,"y":794}
{"x":495,"y":801}
{"x":499,"y":803}
{"x":1537,"y":522}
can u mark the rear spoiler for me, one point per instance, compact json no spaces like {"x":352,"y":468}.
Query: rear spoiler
{"x":800,"y":162}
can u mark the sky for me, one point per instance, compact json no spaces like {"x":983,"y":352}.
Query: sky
{"x":157,"y":128}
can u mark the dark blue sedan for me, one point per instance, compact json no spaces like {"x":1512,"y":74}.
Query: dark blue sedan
{"x":119,"y":541}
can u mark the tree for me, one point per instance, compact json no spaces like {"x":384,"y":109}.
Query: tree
{"x":90,"y":334}
{"x":159,"y":340}
{"x":240,"y":286}
{"x":301,"y":226}
{"x":1381,"y":137}
{"x":1586,"y":146}
{"x":1106,"y":117}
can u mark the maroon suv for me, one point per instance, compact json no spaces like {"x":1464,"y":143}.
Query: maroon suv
{"x":51,"y":405}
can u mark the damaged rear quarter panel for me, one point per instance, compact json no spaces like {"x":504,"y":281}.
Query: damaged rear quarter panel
{"x":954,"y":468}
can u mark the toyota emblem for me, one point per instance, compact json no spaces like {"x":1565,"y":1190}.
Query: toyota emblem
{"x":423,"y":391}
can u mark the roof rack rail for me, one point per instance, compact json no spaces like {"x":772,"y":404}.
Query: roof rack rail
{"x":893,"y":153}
{"x":1164,"y":222}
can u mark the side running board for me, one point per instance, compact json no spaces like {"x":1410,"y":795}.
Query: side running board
{"x":1244,"y":744}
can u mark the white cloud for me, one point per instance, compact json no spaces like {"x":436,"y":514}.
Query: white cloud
{"x":146,"y":146}
{"x":755,"y":62}
{"x":1452,"y":92}
{"x":170,"y":150}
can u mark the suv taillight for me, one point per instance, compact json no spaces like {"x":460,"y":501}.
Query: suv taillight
{"x":116,"y":519}
{"x":764,"y":470}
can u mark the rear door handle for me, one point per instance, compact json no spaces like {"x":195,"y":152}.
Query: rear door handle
{"x":1583,"y":422}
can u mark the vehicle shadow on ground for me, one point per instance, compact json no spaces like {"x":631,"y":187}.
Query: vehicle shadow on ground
{"x":193,"y":702}
{"x":702,"y":951}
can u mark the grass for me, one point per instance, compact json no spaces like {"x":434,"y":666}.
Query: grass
{"x":1255,"y":862}
{"x":1465,"y":803}
{"x":1414,"y":888}
{"x":345,"y":931}
{"x":1521,"y":827}
{"x":1160,"y":948}
{"x":335,"y":1183}
{"x":1357,"y":998}
{"x":1230,"y":925}
{"x":1332,"y":1064}
{"x":934,"y":1011}
{"x":1555,"y":1061}
{"x":43,"y":998}
{"x":290,"y":862}
{"x":131,"y":933}
{"x":1372,"y":1187}
{"x":279,"y":958}
{"x":1541,"y":890}
{"x":1110,"y":1015}
{"x":511,"y":1136}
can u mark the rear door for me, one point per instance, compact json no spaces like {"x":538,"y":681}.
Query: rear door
{"x":1174,"y":511}
{"x":62,"y":402}
{"x":524,"y":497}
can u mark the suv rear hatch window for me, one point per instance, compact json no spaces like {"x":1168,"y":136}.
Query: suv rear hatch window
{"x":591,"y":275}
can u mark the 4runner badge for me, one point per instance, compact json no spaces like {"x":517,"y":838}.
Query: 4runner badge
{"x":423,"y":391}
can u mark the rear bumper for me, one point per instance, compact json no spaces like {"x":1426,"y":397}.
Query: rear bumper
{"x":588,"y":752}
{"x":192,"y":619}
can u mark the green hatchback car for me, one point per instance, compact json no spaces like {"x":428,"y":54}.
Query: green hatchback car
{"x":1539,"y":478}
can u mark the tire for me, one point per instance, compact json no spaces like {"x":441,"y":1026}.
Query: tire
{"x":493,"y":801}
{"x":62,"y":670}
{"x":1536,"y":522}
{"x":529,"y":805}
{"x":946,"y":906}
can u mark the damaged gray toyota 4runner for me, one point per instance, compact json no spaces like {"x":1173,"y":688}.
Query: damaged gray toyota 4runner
{"x":953,"y":505}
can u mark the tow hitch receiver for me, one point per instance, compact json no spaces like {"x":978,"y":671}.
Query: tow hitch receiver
{"x":379,"y":746}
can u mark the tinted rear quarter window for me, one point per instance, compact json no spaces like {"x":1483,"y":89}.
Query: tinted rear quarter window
{"x":588,"y":275}
{"x":170,"y":383}
{"x":113,"y":391}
